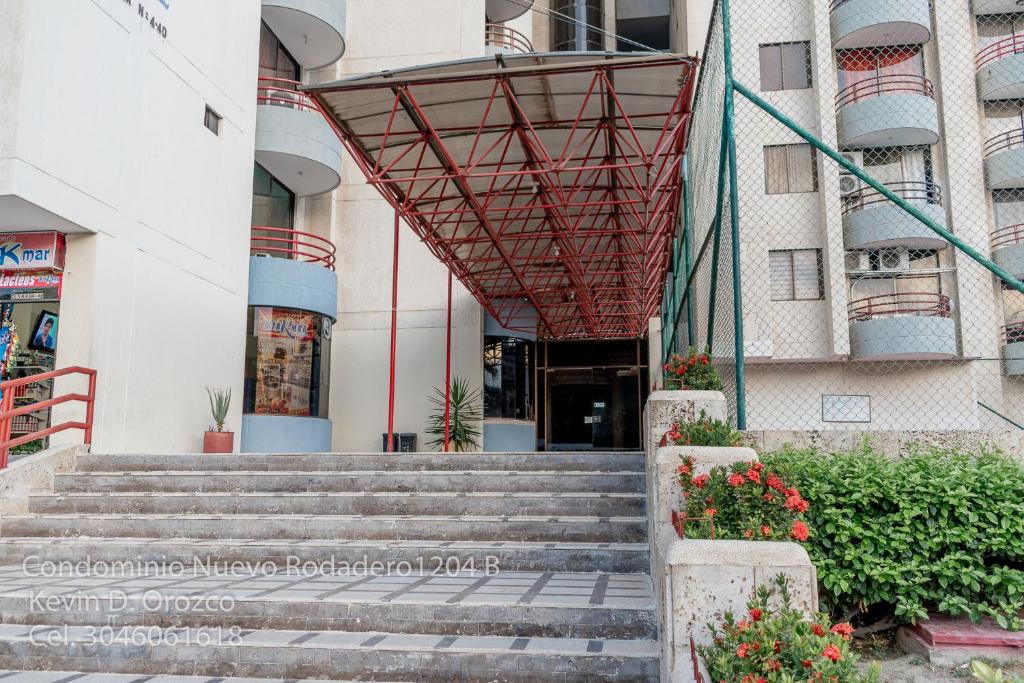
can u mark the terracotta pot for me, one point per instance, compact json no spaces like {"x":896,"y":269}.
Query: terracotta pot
{"x":219,"y":442}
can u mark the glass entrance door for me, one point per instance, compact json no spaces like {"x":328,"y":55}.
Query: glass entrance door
{"x":593,"y":408}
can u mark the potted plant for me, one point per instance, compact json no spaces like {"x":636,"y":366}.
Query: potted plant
{"x":464,"y":416}
{"x":217,"y":440}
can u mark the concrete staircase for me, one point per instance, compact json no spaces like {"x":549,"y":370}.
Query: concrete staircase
{"x":465,"y":567}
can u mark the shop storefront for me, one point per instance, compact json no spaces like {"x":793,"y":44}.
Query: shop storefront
{"x":31,"y":279}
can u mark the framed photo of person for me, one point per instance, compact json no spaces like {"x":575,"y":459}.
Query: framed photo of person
{"x":44,"y":336}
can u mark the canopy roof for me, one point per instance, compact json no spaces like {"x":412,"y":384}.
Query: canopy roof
{"x":548,"y":183}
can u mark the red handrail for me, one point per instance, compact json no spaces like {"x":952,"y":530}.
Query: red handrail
{"x":905,"y":303}
{"x":8,"y":412}
{"x":292,"y":244}
{"x":505,"y":37}
{"x":1005,"y":237}
{"x":283,"y":92}
{"x":912,"y":191}
{"x":1011,"y":139}
{"x":1011,"y":45}
{"x":884,"y":85}
{"x":1012,"y":333}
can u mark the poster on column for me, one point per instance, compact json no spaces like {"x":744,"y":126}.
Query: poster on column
{"x":284,"y":361}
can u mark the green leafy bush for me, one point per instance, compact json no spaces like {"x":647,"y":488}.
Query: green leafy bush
{"x":937,"y":531}
{"x":779,"y":645}
{"x":704,"y":432}
{"x":694,"y":372}
{"x":986,"y":674}
{"x":742,"y":501}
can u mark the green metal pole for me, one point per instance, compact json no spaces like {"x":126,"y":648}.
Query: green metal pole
{"x":852,"y":168}
{"x":719,"y":206}
{"x":734,"y":219}
{"x":1000,"y":415}
{"x":687,"y":250}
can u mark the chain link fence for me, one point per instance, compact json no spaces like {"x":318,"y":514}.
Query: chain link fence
{"x":879,"y":191}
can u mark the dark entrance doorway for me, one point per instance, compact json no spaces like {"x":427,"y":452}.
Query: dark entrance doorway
{"x":596,"y":406}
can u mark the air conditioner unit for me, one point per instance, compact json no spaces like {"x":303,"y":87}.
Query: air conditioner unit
{"x":849,"y":183}
{"x":894,"y":259}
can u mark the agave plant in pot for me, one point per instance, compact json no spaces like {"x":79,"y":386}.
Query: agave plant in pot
{"x":217,"y":440}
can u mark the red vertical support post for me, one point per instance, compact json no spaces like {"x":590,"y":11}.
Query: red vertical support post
{"x":394,"y":339}
{"x":448,"y":369}
{"x":90,"y":408}
{"x":6,"y":406}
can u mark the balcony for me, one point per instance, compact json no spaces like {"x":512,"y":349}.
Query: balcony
{"x":293,"y":139}
{"x":1008,"y":249}
{"x":1013,"y":348}
{"x":292,"y":269}
{"x":982,"y":7}
{"x":1004,"y":161}
{"x":871,"y":221}
{"x":313,"y":31}
{"x":885,"y":111}
{"x":908,"y":325}
{"x":877,"y":23}
{"x":503,"y":40}
{"x":506,"y":10}
{"x":1001,"y":69}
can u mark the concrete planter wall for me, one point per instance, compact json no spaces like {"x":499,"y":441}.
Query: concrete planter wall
{"x":33,"y":474}
{"x":697,"y":581}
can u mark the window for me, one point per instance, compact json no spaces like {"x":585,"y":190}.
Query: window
{"x":508,"y":378}
{"x":790,"y":168}
{"x":273,"y":206}
{"x":796,"y":275}
{"x":785,"y":66}
{"x":579,"y":32}
{"x":212,"y":120}
{"x":275,"y":61}
{"x":287,"y":362}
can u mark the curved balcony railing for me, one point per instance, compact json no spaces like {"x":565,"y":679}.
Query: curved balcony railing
{"x":836,"y":4}
{"x":878,"y":86}
{"x":292,"y":244}
{"x":1007,"y":237}
{"x":912,"y":191}
{"x":1011,"y":333}
{"x":506,"y":38}
{"x":1012,"y":139}
{"x":902,"y":304}
{"x":1011,"y":45}
{"x":282,"y":92}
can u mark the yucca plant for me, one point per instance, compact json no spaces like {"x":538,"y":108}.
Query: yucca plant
{"x":220,"y":401}
{"x":465,"y":415}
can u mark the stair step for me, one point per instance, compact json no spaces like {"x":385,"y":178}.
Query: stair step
{"x":345,"y":503}
{"x":380,"y":527}
{"x":589,"y":461}
{"x":82,"y":677}
{"x":620,"y":558}
{"x":441,"y":481}
{"x":365,"y":656}
{"x":518,"y":604}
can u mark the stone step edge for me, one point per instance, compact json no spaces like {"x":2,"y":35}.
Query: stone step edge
{"x":568,"y":519}
{"x":50,"y":676}
{"x":347,"y":473}
{"x":156,"y":541}
{"x":57,"y":635}
{"x":511,"y":495}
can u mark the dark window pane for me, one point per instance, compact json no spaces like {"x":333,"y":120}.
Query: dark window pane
{"x":796,"y":66}
{"x":771,"y":68}
{"x":508,"y":378}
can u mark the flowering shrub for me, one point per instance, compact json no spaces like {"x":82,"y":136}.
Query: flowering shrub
{"x":694,"y":371}
{"x":742,"y":501}
{"x":703,"y":432}
{"x":893,"y":540}
{"x":780,"y":645}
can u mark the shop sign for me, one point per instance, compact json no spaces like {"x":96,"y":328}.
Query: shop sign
{"x":30,"y":287}
{"x":31,"y":251}
{"x":277,"y":323}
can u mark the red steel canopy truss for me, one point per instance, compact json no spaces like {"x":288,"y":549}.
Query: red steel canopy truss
{"x":549,"y":184}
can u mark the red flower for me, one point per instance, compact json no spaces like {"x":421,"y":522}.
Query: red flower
{"x":704,"y":360}
{"x":681,"y":370}
{"x":749,"y":533}
{"x":766,"y":530}
{"x":710,"y":512}
{"x":832,"y":652}
{"x":693,"y":361}
{"x":800,"y":531}
{"x":736,"y":479}
{"x":773,"y":665}
{"x":818,"y":630}
{"x":768,"y":497}
{"x":754,"y":476}
{"x":756,"y":614}
{"x":778,"y":647}
{"x":807,"y":663}
{"x":683,"y":469}
{"x":775,"y":483}
{"x":741,"y":651}
{"x":701,"y":480}
{"x":797,"y":504}
{"x":743,"y":625}
{"x":844,"y":630}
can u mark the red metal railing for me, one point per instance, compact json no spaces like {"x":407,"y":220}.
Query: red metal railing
{"x":282,"y":92}
{"x":1012,"y":139}
{"x":902,"y":304}
{"x":292,"y":244}
{"x":884,"y":85}
{"x":506,"y":38}
{"x":1013,"y":332}
{"x":8,"y":412}
{"x":1008,"y":236}
{"x":912,"y":191}
{"x":1011,"y":45}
